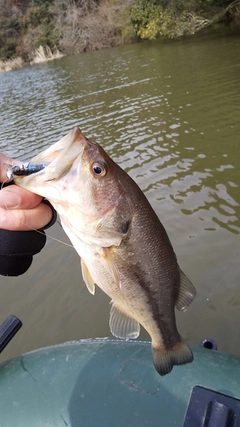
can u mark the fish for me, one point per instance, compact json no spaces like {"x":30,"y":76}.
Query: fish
{"x":123,"y":247}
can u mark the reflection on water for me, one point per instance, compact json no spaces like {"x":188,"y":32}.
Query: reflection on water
{"x":168,"y":113}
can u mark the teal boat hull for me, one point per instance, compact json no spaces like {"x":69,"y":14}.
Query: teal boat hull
{"x":107,"y":383}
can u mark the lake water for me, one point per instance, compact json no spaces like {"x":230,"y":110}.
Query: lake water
{"x":169,"y":114}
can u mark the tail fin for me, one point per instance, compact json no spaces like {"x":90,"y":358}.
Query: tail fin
{"x":165,"y":359}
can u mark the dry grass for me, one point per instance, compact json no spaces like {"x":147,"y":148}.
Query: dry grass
{"x":100,"y":28}
{"x":83,"y":26}
{"x":44,"y":54}
{"x":40,"y":55}
{"x":11,"y":64}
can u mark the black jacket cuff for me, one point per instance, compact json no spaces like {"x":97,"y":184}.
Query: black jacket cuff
{"x":17,"y":249}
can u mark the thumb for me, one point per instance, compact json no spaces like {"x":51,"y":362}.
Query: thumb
{"x":14,"y":197}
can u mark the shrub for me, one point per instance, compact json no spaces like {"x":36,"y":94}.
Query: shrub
{"x":36,"y":15}
{"x":8,"y":48}
{"x":48,"y":36}
{"x":173,"y":18}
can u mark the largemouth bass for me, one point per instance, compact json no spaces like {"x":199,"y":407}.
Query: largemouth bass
{"x":123,"y":246}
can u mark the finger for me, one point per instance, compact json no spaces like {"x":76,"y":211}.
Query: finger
{"x":3,"y":169}
{"x":4,"y":162}
{"x":25,"y":219}
{"x":17,"y":197}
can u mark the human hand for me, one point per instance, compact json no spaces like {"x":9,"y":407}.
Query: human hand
{"x":20,"y":209}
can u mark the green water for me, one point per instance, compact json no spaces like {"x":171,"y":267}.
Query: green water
{"x":169,"y":114}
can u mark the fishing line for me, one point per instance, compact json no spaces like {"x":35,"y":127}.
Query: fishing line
{"x":222,"y":278}
{"x":4,"y":182}
{"x":50,"y":237}
{"x":218,"y":283}
{"x":39,"y":231}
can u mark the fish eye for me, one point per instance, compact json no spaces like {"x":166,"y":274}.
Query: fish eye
{"x":99,"y":169}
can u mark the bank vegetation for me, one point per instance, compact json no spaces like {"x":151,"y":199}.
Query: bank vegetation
{"x":32,"y":31}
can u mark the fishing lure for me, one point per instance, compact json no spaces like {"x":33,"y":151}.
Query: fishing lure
{"x":25,"y":169}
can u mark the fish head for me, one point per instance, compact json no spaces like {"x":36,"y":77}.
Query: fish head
{"x":82,"y":182}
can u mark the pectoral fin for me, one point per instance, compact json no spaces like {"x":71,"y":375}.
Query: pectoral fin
{"x":111,"y":266}
{"x":187,"y":293}
{"x":122,"y":325}
{"x":87,"y":278}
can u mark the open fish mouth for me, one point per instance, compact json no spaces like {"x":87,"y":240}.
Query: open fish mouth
{"x":58,"y":158}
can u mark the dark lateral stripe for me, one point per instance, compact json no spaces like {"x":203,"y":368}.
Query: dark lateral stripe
{"x":163,"y":316}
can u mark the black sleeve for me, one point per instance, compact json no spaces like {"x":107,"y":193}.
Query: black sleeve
{"x":18,"y":247}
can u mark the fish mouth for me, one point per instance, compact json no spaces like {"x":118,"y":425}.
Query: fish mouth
{"x":59,"y":157}
{"x":74,"y":139}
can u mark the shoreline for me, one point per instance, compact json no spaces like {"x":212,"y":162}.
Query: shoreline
{"x":77,"y":28}
{"x":45,"y":54}
{"x":41,"y":55}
